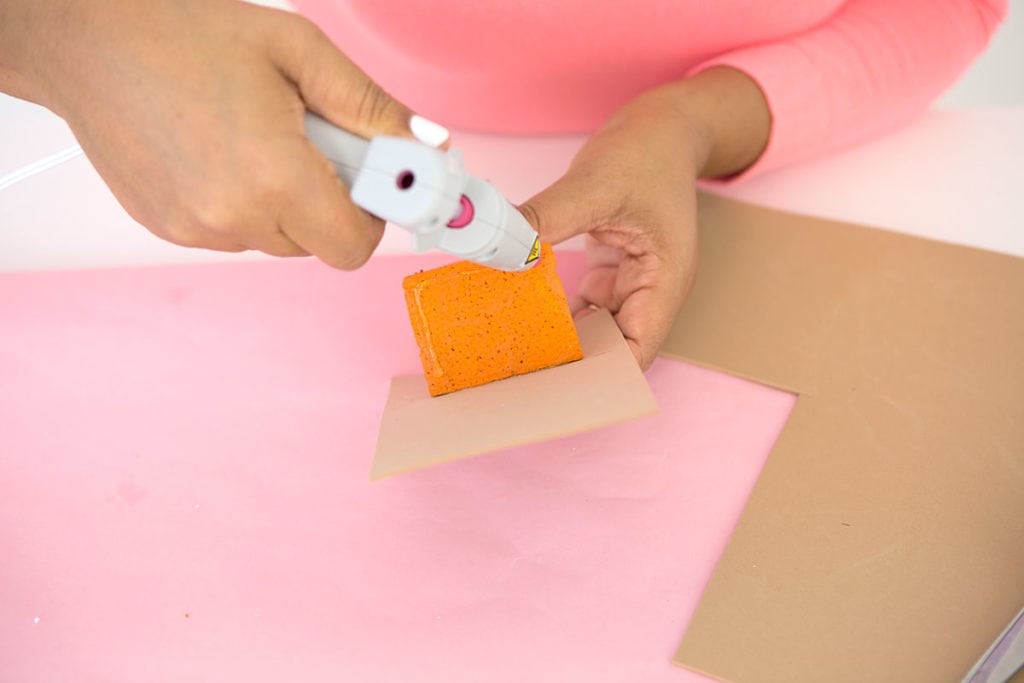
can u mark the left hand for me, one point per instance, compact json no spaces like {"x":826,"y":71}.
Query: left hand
{"x":632,"y":189}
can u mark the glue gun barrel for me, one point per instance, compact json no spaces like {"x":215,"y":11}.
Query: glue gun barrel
{"x":427,"y":192}
{"x":496,"y":234}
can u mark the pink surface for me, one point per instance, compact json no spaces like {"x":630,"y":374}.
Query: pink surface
{"x":835,"y":72}
{"x":184,"y":496}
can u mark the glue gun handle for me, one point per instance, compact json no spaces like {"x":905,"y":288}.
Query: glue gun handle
{"x":346,"y":151}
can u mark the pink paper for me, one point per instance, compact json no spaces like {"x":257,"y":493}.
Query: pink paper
{"x":184,"y":496}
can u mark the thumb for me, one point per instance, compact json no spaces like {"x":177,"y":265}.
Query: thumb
{"x":563,"y":210}
{"x":336,"y":89}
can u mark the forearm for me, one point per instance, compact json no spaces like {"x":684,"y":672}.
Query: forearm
{"x":721,"y":113}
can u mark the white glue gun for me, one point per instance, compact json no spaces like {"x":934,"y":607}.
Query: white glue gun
{"x":428,"y":192}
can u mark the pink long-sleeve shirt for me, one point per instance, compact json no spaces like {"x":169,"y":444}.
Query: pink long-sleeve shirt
{"x":834,"y":71}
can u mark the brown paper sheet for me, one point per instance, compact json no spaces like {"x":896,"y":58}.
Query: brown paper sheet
{"x":884,"y":540}
{"x":418,"y":430}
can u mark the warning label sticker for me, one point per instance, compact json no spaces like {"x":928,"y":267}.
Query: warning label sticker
{"x":534,"y":251}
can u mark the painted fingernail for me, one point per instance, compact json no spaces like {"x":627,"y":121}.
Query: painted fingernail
{"x":428,"y":132}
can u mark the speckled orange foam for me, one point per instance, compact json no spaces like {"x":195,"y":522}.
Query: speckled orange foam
{"x":476,"y":325}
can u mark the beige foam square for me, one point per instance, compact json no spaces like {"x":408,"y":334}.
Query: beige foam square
{"x":605,"y":387}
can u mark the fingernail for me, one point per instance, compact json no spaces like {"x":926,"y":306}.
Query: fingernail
{"x":428,"y":132}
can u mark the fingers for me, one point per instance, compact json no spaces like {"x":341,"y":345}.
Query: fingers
{"x":584,"y":312}
{"x":644,"y":293}
{"x":277,"y":243}
{"x":312,"y":217}
{"x":198,"y":240}
{"x":311,"y":213}
{"x":600,"y":254}
{"x":332,"y":86}
{"x":645,"y":319}
{"x":323,"y":222}
{"x":565,"y":209}
{"x":646,"y":315}
{"x":597,"y":287}
{"x":268,"y":240}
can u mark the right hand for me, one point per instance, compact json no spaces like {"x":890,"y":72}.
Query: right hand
{"x":192,"y":112}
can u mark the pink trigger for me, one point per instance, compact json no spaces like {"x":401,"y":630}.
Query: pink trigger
{"x":465,"y":215}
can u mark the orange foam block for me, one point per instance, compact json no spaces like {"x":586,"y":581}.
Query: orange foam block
{"x":475,"y":324}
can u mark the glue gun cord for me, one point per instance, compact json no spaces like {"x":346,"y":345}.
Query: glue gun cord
{"x":38,"y":166}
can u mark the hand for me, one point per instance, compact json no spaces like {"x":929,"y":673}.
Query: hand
{"x":192,"y":112}
{"x":632,"y":190}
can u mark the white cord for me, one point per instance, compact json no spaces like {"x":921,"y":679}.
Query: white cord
{"x":46,"y":163}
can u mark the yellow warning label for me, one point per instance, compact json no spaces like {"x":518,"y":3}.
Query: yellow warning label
{"x":534,"y":251}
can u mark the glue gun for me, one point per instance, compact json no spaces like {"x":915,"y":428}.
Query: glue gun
{"x":427,"y":191}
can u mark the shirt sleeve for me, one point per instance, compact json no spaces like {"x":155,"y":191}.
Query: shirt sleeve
{"x":871,"y":67}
